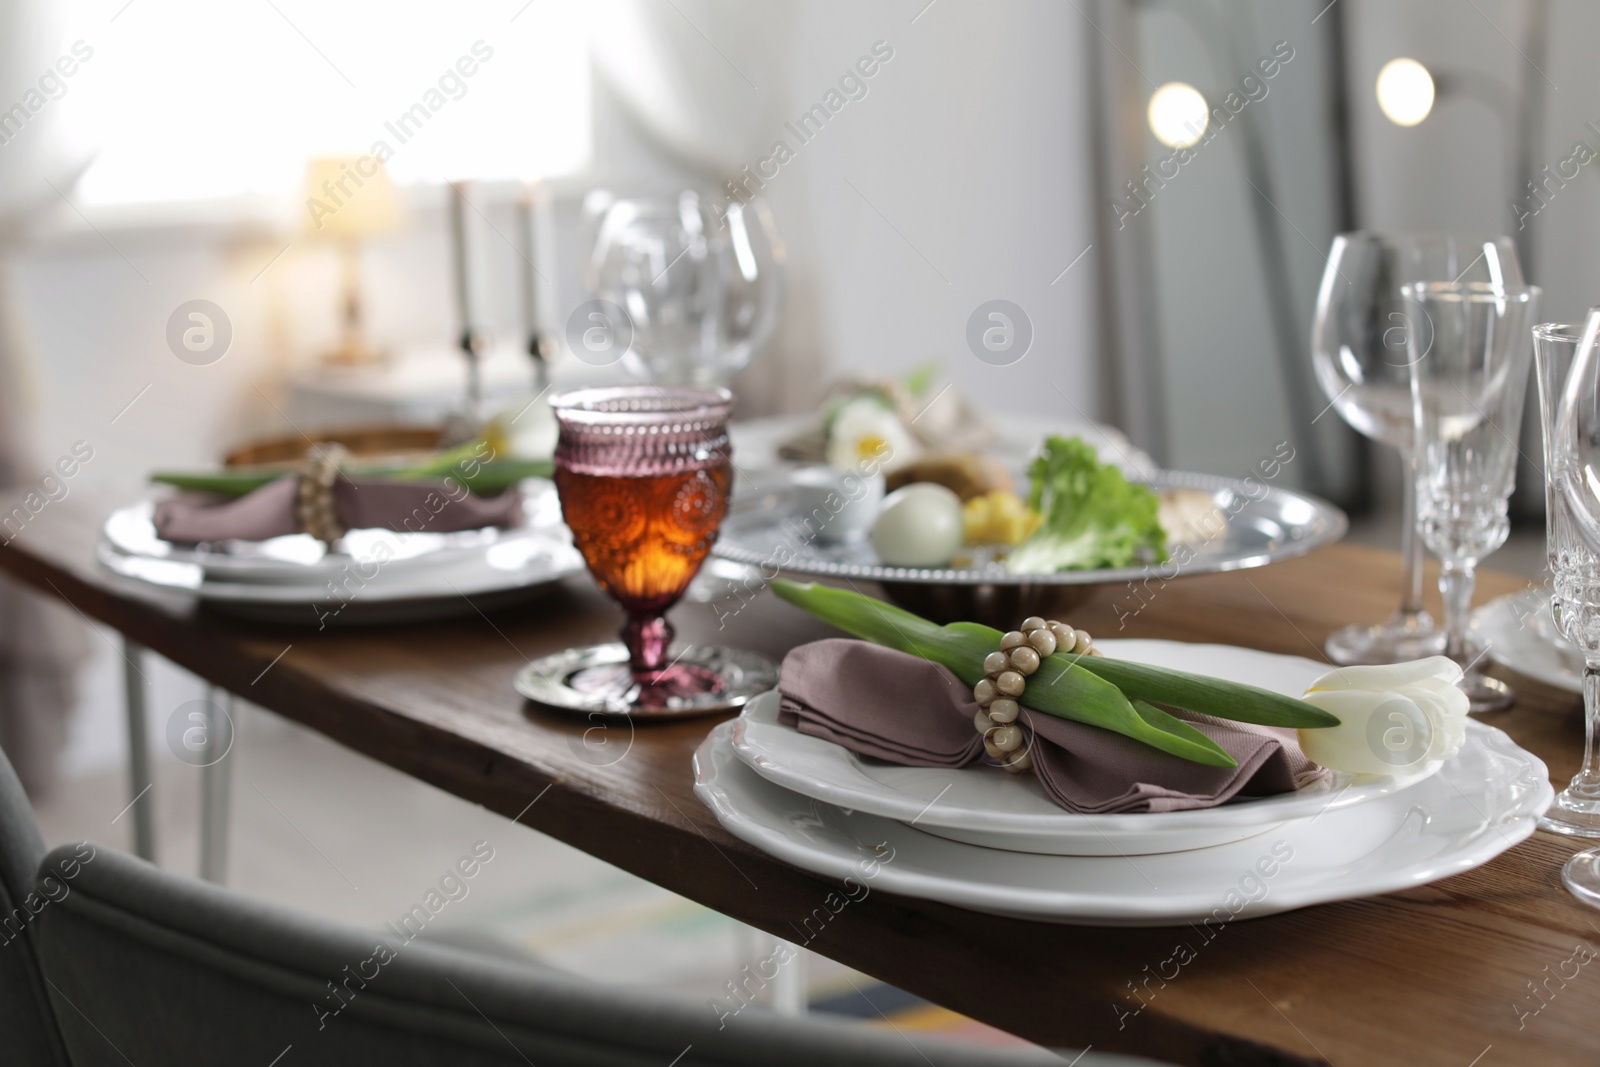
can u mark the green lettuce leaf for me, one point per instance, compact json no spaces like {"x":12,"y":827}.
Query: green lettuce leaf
{"x":1093,"y":517}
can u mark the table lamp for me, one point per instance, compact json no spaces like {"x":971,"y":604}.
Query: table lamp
{"x":348,"y":198}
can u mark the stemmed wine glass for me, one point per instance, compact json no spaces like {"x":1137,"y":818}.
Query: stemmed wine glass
{"x":1358,"y":348}
{"x":1574,"y":473}
{"x":643,"y":473}
{"x":702,"y":283}
{"x":1574,"y":569}
{"x":1469,"y":344}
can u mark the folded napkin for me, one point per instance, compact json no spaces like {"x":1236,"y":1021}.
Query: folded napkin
{"x":896,"y":707}
{"x":361,"y":504}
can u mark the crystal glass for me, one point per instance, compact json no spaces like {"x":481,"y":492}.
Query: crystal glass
{"x":1575,"y":472}
{"x":1574,"y":575}
{"x":701,"y":282}
{"x":1469,"y":345}
{"x":643,"y":473}
{"x":1358,"y":350}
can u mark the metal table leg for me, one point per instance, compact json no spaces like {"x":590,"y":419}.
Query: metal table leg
{"x":789,"y":994}
{"x":140,"y":780}
{"x":215,"y":777}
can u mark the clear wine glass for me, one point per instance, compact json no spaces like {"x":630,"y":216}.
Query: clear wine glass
{"x":701,"y":282}
{"x":1358,"y":349}
{"x":1469,"y":344}
{"x":1574,"y":571}
{"x":1575,"y":473}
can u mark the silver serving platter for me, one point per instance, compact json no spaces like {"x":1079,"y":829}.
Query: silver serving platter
{"x":1264,"y":525}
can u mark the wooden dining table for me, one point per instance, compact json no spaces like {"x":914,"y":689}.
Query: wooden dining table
{"x":1481,"y":969}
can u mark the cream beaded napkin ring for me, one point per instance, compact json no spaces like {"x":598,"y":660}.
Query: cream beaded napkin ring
{"x":1006,"y":676}
{"x":313,"y":500}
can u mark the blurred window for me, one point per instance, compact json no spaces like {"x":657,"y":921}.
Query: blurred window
{"x":197,"y":100}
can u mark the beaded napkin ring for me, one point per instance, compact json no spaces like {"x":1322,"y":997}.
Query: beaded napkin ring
{"x":1006,"y":676}
{"x":313,"y":499}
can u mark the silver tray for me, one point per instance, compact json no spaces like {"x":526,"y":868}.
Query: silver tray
{"x":1264,"y":525}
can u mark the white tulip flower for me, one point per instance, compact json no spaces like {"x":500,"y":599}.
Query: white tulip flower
{"x":1393,"y":718}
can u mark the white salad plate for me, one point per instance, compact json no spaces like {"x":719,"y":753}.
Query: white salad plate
{"x":1481,"y":803}
{"x":302,"y":559}
{"x":1011,"y":811}
{"x":1518,"y":632}
{"x":411,"y":581}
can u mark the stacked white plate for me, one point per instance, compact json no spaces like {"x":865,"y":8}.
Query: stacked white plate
{"x":1518,"y":632}
{"x":993,"y":842}
{"x":375,"y":576}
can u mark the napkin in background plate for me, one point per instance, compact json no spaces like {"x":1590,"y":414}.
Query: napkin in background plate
{"x":361,"y":504}
{"x":892,"y":706}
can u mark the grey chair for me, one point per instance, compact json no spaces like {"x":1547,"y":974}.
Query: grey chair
{"x":113,"y":961}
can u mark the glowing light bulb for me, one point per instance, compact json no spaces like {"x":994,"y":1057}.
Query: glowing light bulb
{"x":1405,"y":91}
{"x":1178,"y":114}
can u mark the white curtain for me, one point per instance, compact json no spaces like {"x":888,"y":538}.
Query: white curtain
{"x":41,"y":642}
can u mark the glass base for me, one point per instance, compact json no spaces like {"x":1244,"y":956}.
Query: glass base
{"x":1582,"y":876}
{"x":679,"y":683}
{"x":1405,"y":636}
{"x":1486,"y":694}
{"x":1572,"y":814}
{"x":698,"y":680}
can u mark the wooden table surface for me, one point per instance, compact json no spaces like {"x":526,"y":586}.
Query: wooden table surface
{"x":1444,"y":974}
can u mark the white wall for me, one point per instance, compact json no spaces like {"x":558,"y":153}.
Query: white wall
{"x":971,"y":142}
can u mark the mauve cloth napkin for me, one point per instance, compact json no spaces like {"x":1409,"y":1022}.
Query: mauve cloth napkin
{"x":896,"y":707}
{"x":415,"y":507}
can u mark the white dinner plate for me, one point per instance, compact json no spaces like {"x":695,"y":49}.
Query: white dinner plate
{"x":502,"y":572}
{"x":1481,"y":803}
{"x":300,"y":559}
{"x":1518,"y":632}
{"x":981,"y":806}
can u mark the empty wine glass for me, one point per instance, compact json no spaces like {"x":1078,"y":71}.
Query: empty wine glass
{"x":702,"y":283}
{"x":1469,"y":344}
{"x":1358,"y":349}
{"x":1574,"y":571}
{"x":1575,"y":471}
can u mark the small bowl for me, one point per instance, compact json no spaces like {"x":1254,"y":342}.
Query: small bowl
{"x":836,"y":506}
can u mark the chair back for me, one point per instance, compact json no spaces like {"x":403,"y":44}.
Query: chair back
{"x":26,"y":1021}
{"x":150,"y":968}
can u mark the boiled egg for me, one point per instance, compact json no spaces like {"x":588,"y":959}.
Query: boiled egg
{"x":919,"y":525}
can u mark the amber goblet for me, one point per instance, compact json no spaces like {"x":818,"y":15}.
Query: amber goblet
{"x":644,"y":475}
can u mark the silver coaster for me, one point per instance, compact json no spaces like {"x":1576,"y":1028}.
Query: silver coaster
{"x":742,"y":674}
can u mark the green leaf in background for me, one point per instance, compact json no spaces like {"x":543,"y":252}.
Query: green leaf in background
{"x":492,"y":477}
{"x":919,"y":381}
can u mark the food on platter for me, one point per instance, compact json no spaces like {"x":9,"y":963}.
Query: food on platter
{"x":1093,"y":517}
{"x":967,"y":474}
{"x":919,"y":525}
{"x":998,"y":517}
{"x":1190,"y":517}
{"x":865,"y":432}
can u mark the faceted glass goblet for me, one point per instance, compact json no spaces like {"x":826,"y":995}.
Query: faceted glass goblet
{"x":643,"y":474}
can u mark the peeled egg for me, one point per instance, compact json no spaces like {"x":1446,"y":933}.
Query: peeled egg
{"x":919,"y":525}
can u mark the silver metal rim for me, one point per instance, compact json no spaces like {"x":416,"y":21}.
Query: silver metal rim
{"x":748,"y":674}
{"x":1321,"y":524}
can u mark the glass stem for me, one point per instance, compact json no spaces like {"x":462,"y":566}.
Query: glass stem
{"x":1410,"y":543}
{"x":648,"y":637}
{"x":1456,"y":579}
{"x":1586,"y":784}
